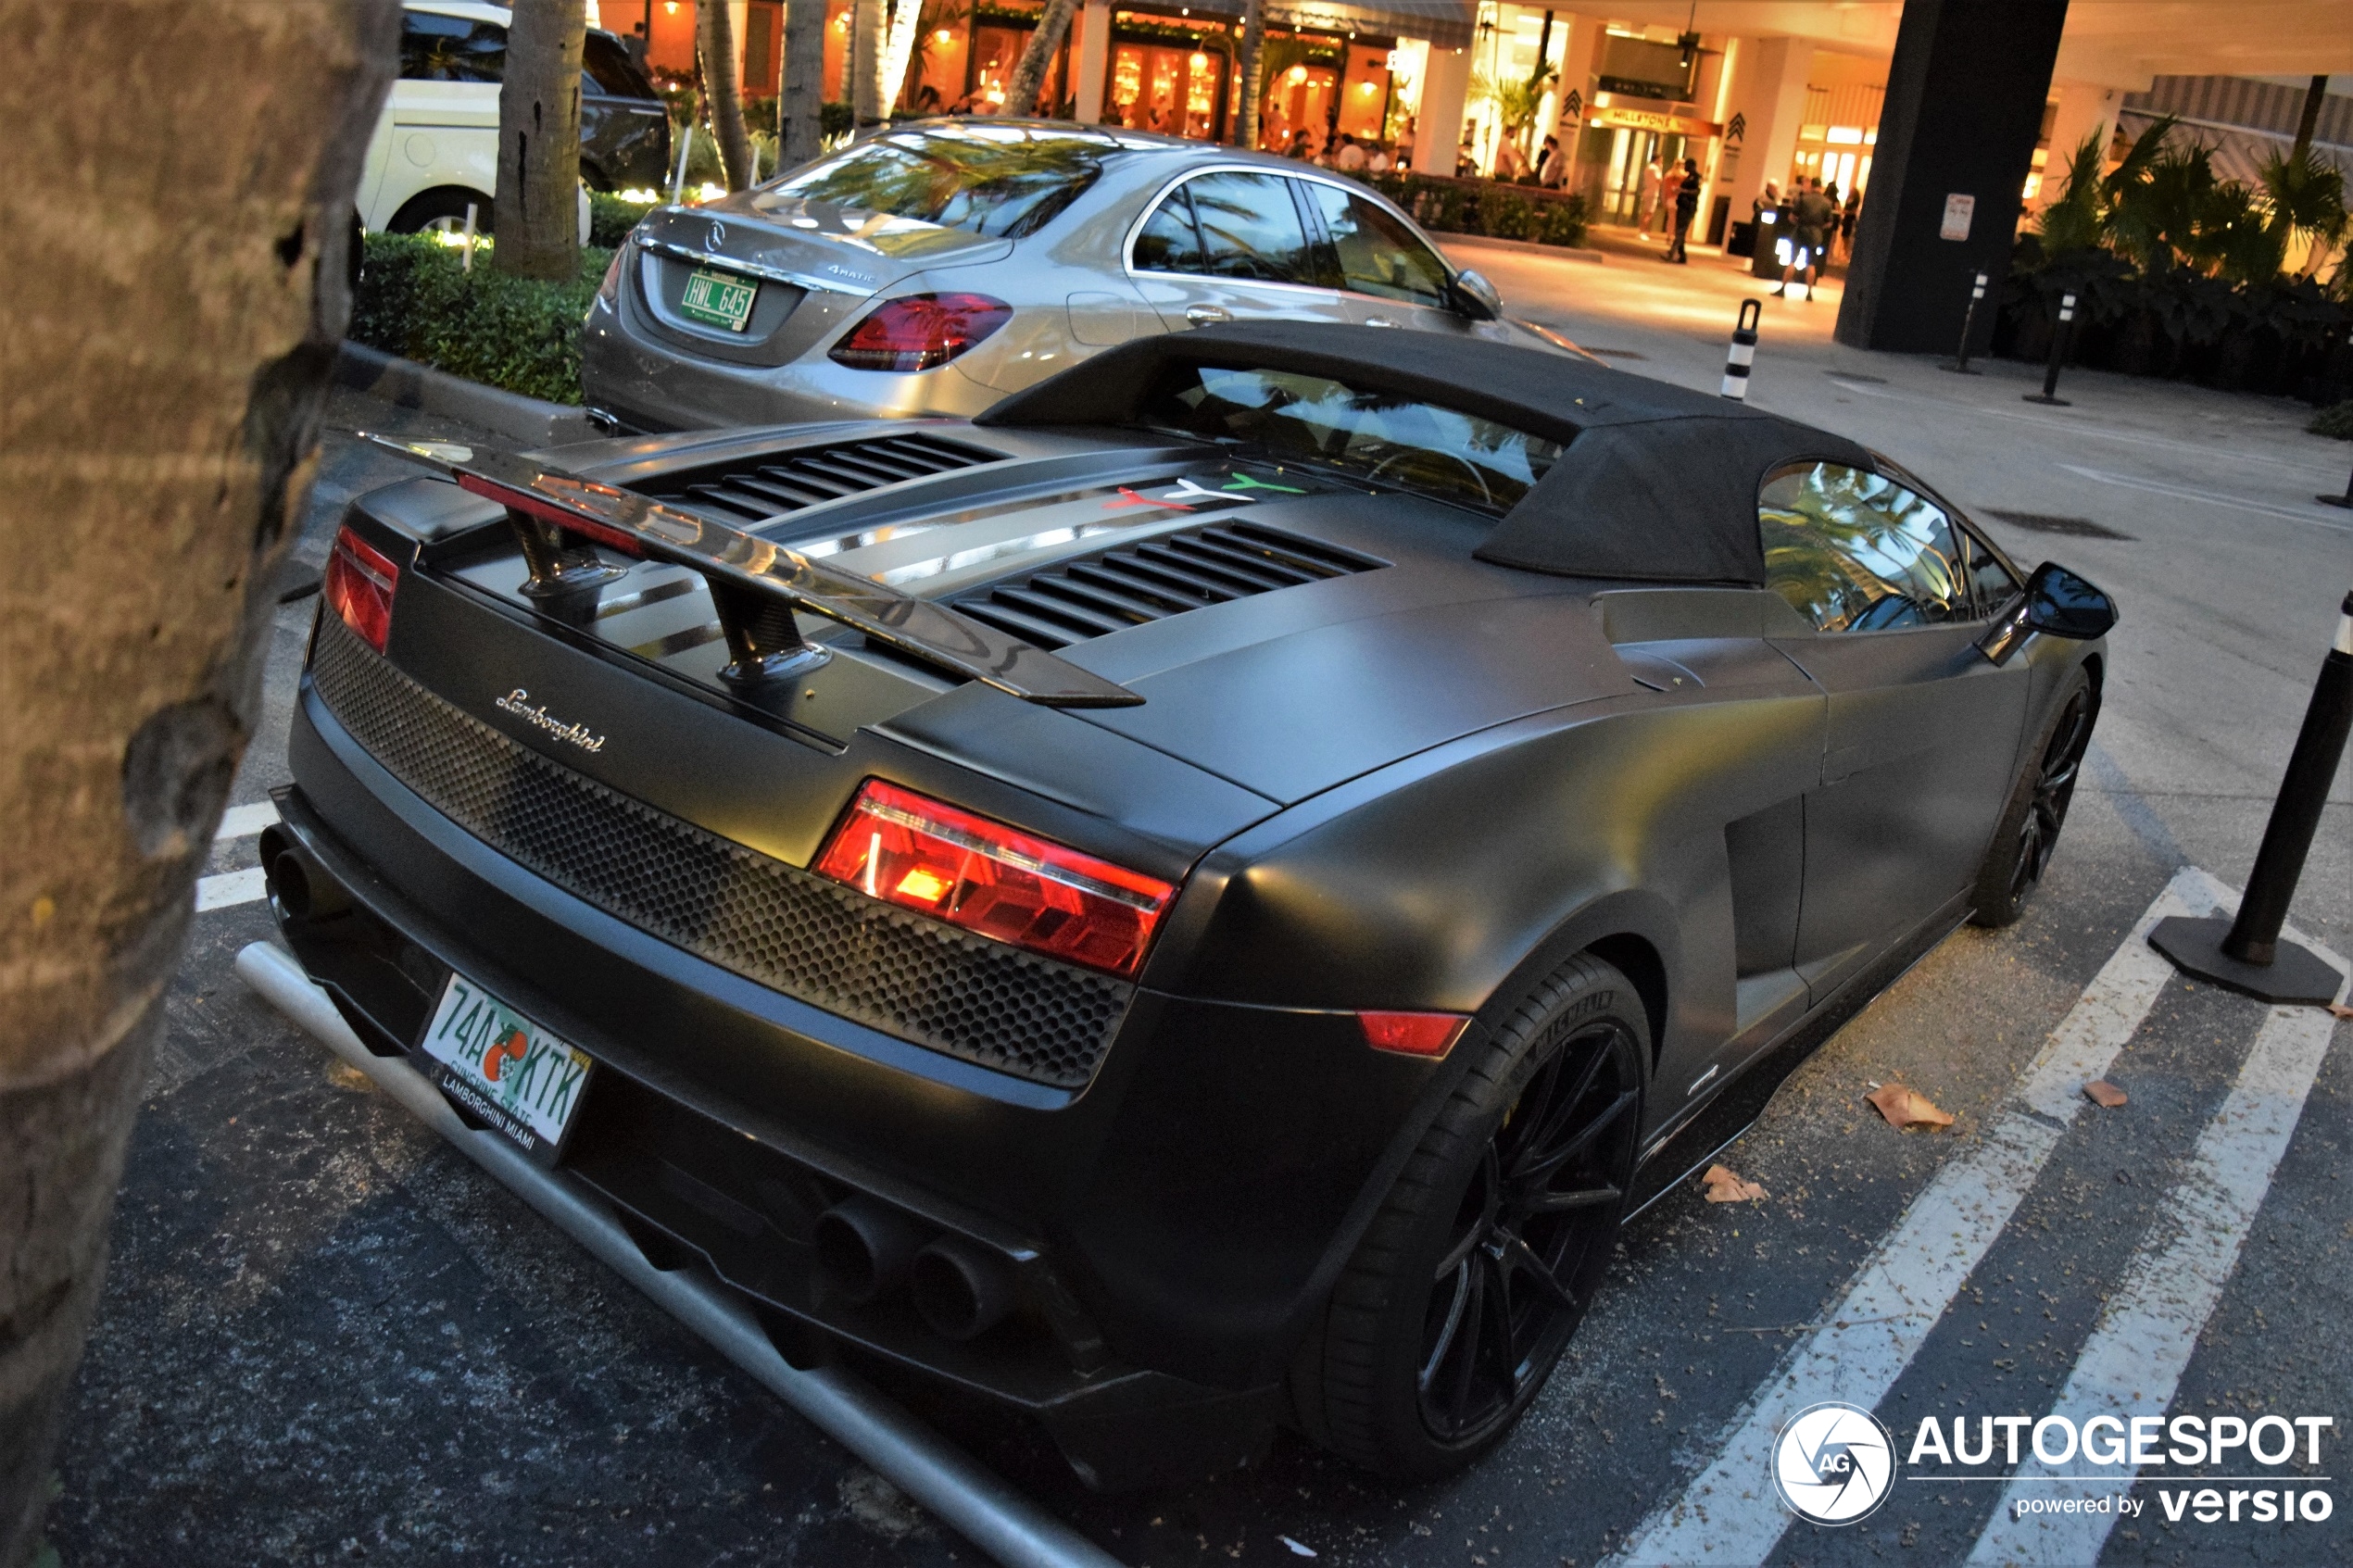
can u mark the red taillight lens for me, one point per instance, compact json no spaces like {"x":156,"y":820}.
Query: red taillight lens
{"x":921,"y":332}
{"x":1413,"y":1033}
{"x":916,"y":852}
{"x":358,"y":582}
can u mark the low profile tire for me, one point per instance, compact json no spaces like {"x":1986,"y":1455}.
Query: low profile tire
{"x":1483,"y":1260}
{"x":2037,"y":809}
{"x":441,"y":208}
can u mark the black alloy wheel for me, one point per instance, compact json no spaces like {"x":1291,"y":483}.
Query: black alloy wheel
{"x":2037,"y":809}
{"x":1471,"y":1279}
{"x":1536,"y":1222}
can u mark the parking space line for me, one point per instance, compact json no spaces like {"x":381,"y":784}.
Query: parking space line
{"x":2204,"y":497}
{"x":1730,"y":1512}
{"x":2134,"y":1359}
{"x":230,"y":889}
{"x":244,"y":821}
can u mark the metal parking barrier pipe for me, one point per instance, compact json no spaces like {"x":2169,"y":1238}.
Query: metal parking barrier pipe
{"x":960,"y":1491}
{"x":2060,"y":335}
{"x":1743,"y":352}
{"x":2246,"y":954}
{"x":1968,"y":320}
{"x":2344,"y":500}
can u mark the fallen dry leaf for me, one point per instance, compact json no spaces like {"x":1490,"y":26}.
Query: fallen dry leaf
{"x":1723,"y":1186}
{"x":1907,"y":1107}
{"x":2105,"y":1095}
{"x":2340,"y":1009}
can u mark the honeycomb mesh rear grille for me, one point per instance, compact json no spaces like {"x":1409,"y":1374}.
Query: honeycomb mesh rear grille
{"x":771,"y":922}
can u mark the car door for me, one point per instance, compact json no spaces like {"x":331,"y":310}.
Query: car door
{"x":445,"y":108}
{"x":1923,"y":729}
{"x":1387,"y":276}
{"x":1230,"y":245}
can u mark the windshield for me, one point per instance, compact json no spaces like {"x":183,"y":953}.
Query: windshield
{"x":1002,"y":182}
{"x":1382,"y":435}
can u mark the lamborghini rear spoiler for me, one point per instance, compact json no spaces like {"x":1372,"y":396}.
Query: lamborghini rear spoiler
{"x":756,"y":584}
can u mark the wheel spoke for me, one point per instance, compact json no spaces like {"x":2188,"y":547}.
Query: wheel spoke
{"x":1461,"y":1249}
{"x":1536,"y":1172}
{"x":1547,"y":1286}
{"x":1437,"y":1357}
{"x":1472,"y":1331}
{"x":1562,"y":1202}
{"x":1558,"y":1114}
{"x":1501,"y":1340}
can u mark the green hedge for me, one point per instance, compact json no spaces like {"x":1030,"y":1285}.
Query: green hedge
{"x":415,"y":300}
{"x":2336,"y":421}
{"x":610,"y":218}
{"x":1485,"y":209}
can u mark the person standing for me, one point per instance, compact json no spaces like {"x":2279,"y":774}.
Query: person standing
{"x":1550,"y":167}
{"x":1846,"y":217}
{"x":1349,"y":159}
{"x":1811,"y":218}
{"x":1646,"y":195}
{"x":1686,"y":209}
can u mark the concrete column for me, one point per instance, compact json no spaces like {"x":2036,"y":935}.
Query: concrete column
{"x":1579,"y":65}
{"x":2084,"y":107}
{"x":1438,"y":124}
{"x":1964,"y":97}
{"x":1764,"y":101}
{"x":1093,"y":56}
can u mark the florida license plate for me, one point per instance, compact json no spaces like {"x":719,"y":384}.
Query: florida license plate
{"x":509,"y":1072}
{"x":721,"y":299}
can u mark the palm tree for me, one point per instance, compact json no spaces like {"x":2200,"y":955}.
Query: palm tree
{"x":2306,"y":199}
{"x":2072,"y":221}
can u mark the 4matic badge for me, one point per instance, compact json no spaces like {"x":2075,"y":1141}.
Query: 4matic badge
{"x":1833,"y":1463}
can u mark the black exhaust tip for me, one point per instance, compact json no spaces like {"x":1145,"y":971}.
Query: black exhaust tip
{"x":302,"y":887}
{"x":960,"y":1290}
{"x":865,"y":1247}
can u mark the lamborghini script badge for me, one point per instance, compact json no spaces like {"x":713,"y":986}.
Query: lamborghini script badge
{"x":518,"y":702}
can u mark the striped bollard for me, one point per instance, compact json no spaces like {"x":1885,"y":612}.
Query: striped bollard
{"x":1969,"y":319}
{"x":1743,"y":354}
{"x":2059,"y":334}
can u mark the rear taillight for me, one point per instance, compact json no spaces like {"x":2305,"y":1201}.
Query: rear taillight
{"x":1413,"y":1033}
{"x":916,"y":852}
{"x":921,"y":332}
{"x":358,"y":582}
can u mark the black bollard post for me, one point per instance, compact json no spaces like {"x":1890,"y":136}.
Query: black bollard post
{"x":1741,"y":353}
{"x":2246,"y":954}
{"x":2060,"y":335}
{"x":1969,"y":319}
{"x":2344,"y":500}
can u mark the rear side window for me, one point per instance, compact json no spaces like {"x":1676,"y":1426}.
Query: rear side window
{"x":1438,"y":451}
{"x":606,"y":67}
{"x":1371,"y":252}
{"x":1249,"y":228}
{"x":1001,"y":181}
{"x":439,"y":48}
{"x":1169,"y":242}
{"x":1854,"y":551}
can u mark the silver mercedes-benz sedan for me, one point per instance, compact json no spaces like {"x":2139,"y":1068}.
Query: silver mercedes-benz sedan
{"x":934,"y":268}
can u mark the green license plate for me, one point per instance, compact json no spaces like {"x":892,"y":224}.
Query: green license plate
{"x":506,"y":1070}
{"x":720,"y":298}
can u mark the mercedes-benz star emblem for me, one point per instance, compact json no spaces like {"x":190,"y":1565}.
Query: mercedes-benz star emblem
{"x":716,"y":237}
{"x":1833,"y":1463}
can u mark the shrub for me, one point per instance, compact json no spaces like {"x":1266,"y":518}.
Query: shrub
{"x":2336,"y":421}
{"x":415,"y":300}
{"x":1483,"y":208}
{"x":610,"y":218}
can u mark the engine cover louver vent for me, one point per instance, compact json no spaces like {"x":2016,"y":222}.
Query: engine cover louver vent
{"x":752,"y":490}
{"x":1093,"y":595}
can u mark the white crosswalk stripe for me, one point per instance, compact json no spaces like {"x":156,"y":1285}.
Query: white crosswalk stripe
{"x":1731,"y":1514}
{"x":2134,"y":1359}
{"x":229,"y":888}
{"x":244,"y":821}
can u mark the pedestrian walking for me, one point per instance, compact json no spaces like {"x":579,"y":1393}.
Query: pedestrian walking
{"x":1686,"y":209}
{"x":1811,"y":218}
{"x":1646,"y":195}
{"x":1846,"y":217}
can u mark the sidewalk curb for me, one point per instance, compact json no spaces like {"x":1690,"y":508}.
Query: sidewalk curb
{"x":408,"y":384}
{"x":1568,"y":253}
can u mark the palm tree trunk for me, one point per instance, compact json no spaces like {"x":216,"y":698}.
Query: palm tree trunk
{"x":1249,"y":71}
{"x":865,"y":63}
{"x":898,"y":50}
{"x":722,"y":90}
{"x":1029,"y":74}
{"x":801,"y":101}
{"x":2311,"y":121}
{"x":539,"y":202}
{"x":162,"y":414}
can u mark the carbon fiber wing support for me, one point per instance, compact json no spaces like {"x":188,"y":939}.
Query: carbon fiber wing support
{"x":757,"y":584}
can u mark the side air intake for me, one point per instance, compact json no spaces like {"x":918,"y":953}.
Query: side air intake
{"x":751,"y":490}
{"x":1093,"y":595}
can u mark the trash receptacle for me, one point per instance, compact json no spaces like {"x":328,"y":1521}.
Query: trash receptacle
{"x":1774,"y":247}
{"x":1742,"y":240}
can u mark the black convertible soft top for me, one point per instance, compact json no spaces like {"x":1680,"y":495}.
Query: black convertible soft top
{"x":1657,"y":483}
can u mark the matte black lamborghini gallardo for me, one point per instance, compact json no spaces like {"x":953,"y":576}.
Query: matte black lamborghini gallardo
{"x":1198,"y":899}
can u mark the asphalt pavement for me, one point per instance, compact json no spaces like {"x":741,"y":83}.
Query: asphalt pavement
{"x":327,"y":1337}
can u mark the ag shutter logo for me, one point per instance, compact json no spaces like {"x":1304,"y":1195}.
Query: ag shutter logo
{"x":1833,"y":1463}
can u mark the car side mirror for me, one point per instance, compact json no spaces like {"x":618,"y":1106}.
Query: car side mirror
{"x":1476,"y":297}
{"x":2056,"y":603}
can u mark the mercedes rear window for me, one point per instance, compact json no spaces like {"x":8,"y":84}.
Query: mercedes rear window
{"x":1380,"y":435}
{"x":1004,"y":182}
